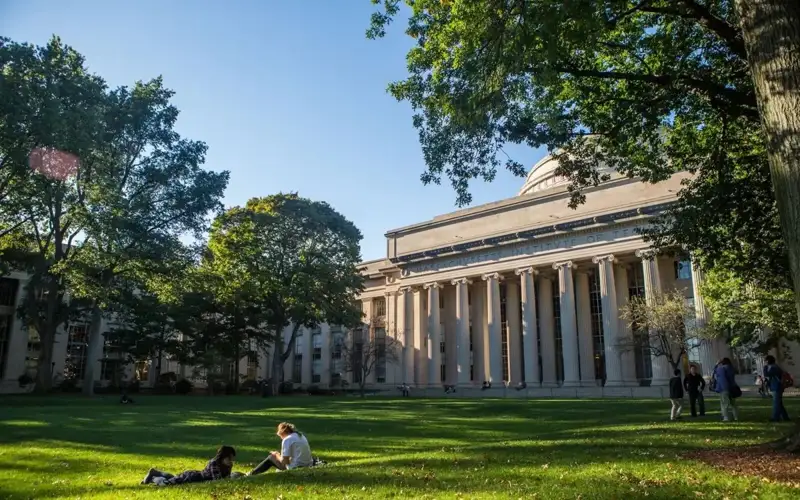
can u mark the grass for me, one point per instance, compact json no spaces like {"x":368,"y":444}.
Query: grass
{"x":66,"y":447}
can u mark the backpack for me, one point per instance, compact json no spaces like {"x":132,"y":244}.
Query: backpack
{"x":786,"y":380}
{"x":712,"y":384}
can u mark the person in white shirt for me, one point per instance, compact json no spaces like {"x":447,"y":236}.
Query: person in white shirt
{"x":295,"y":451}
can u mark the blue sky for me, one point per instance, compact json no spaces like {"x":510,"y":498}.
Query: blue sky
{"x":289,"y":96}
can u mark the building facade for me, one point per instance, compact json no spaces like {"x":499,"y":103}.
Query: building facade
{"x":519,"y":298}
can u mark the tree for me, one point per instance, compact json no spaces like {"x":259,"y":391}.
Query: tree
{"x":369,"y":346}
{"x":646,"y":87}
{"x":50,"y":123}
{"x":665,"y":323}
{"x":298,"y":260}
{"x":771,"y":32}
{"x":749,"y":314}
{"x":148,"y":188}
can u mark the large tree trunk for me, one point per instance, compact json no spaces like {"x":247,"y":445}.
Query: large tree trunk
{"x":280,"y":355}
{"x":771,"y":30}
{"x":95,"y":350}
{"x":47,"y":337}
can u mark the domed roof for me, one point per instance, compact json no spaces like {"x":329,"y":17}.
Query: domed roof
{"x":542,"y":176}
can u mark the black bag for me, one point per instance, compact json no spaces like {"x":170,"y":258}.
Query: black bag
{"x":712,"y":384}
{"x":736,"y":391}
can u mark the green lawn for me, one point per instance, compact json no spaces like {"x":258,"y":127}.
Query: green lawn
{"x":63,"y":447}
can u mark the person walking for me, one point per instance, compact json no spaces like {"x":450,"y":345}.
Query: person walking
{"x":694,"y":385}
{"x":774,"y":377}
{"x":725,"y":385}
{"x":676,"y":395}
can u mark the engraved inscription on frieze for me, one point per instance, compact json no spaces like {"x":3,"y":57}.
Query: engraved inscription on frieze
{"x":523,"y":249}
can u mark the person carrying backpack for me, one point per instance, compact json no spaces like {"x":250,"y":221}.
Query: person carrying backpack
{"x":724,"y":383}
{"x":777,"y":380}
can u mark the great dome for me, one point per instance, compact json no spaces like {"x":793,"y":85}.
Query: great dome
{"x":542,"y":176}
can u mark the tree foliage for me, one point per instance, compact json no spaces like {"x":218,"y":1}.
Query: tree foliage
{"x":646,"y":87}
{"x":665,"y":323}
{"x":366,"y":349}
{"x":298,"y":260}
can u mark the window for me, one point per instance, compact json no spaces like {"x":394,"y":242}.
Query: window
{"x":644,"y":365}
{"x":441,"y":300}
{"x":77,"y":344}
{"x":5,"y":332}
{"x":380,"y":355}
{"x":34,"y":348}
{"x":598,"y":342}
{"x":504,"y":331}
{"x":443,"y":365}
{"x":112,"y":364}
{"x":683,"y":269}
{"x":142,"y":371}
{"x":252,"y":365}
{"x":316,"y":356}
{"x":471,"y":351}
{"x":297,"y":366}
{"x":559,"y":340}
{"x":358,"y":355}
{"x":379,"y":307}
{"x":8,"y":291}
{"x":337,"y":363}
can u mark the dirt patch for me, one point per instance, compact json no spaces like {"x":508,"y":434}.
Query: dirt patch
{"x":762,"y":461}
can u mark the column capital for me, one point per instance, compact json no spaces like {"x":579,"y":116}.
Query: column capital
{"x":461,"y":281}
{"x":610,"y":258}
{"x":646,"y":253}
{"x":433,"y":285}
{"x":490,"y":276}
{"x":403,"y":290}
{"x":567,"y":263}
{"x":531,"y":270}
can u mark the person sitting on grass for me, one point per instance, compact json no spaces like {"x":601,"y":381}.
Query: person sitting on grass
{"x":295,"y":451}
{"x":218,"y":467}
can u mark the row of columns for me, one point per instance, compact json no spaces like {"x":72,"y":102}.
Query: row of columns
{"x":415,"y":328}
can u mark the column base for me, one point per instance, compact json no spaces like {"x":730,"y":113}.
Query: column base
{"x":589,"y":383}
{"x":533,"y":385}
{"x":550,"y":384}
{"x":571,"y":383}
{"x":615,"y":383}
{"x":659,"y":382}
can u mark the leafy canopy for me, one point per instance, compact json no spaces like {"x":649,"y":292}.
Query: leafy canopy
{"x":647,"y":87}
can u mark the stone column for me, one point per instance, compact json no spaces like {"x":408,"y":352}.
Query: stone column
{"x":514,"y":334}
{"x":627,"y":355}
{"x":547,"y":332}
{"x":325,"y":354}
{"x":493,"y":320}
{"x":434,"y":335}
{"x":701,"y":319}
{"x":405,"y":331}
{"x":652,"y":287}
{"x":480,"y":335}
{"x":585,"y":339}
{"x":17,"y":342}
{"x":608,"y":298}
{"x":569,"y":326}
{"x":420,"y":338}
{"x":530,"y":349}
{"x":462,"y":331}
{"x":394,"y":369}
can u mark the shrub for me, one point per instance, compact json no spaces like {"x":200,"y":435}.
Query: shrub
{"x":163,"y":388}
{"x":249,"y":387}
{"x":69,"y":384}
{"x":133,"y":387}
{"x":285,"y":388}
{"x":24,"y":380}
{"x":183,"y":386}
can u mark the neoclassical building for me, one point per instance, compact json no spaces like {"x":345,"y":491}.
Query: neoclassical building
{"x":523,"y":293}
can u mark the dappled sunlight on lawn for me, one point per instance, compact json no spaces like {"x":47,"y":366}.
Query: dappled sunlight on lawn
{"x":375,"y":448}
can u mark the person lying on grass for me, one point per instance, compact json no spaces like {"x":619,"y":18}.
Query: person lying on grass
{"x":218,"y":467}
{"x":295,"y":451}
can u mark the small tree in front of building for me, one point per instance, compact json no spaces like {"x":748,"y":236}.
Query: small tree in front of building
{"x":665,"y":324}
{"x":366,"y":350}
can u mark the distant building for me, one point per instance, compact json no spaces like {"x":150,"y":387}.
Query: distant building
{"x":523,"y":293}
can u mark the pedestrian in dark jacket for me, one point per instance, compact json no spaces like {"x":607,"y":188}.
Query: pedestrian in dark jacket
{"x":725,"y":385}
{"x":773,"y":374}
{"x":694,"y":385}
{"x":676,"y":395}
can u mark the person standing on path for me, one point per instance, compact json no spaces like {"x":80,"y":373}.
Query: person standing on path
{"x":676,"y":395}
{"x":694,"y":385}
{"x":773,"y":374}
{"x":725,"y":386}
